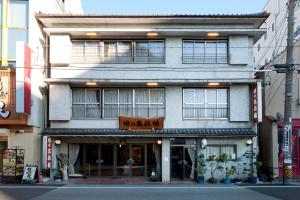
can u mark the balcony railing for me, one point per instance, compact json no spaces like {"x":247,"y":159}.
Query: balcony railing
{"x":93,"y":112}
{"x":93,"y":55}
{"x":205,"y":59}
{"x":205,"y":113}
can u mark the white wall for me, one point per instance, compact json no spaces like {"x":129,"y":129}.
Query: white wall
{"x":239,"y":103}
{"x":60,"y":50}
{"x":60,"y":102}
{"x":239,"y":50}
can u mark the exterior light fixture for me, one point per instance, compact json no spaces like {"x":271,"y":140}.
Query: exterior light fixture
{"x":57,"y":141}
{"x":213,"y":84}
{"x":213,"y":34}
{"x":152,"y":34}
{"x":152,"y":84}
{"x":249,"y":142}
{"x":91,"y":34}
{"x":91,"y":83}
{"x":158,"y":141}
{"x":203,"y":143}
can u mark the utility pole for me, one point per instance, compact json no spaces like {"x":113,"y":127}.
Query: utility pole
{"x":287,"y":137}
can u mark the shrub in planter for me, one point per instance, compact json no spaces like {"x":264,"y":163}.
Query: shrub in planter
{"x":155,"y":175}
{"x":229,"y":170}
{"x":251,"y":166}
{"x":213,"y":166}
{"x":201,"y":168}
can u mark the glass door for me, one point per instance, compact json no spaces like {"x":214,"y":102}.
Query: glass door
{"x":123,"y":161}
{"x":92,"y":160}
{"x":177,"y":163}
{"x":107,"y":160}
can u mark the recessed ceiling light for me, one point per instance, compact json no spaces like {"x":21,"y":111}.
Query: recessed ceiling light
{"x":91,"y":83}
{"x":213,"y":84}
{"x":91,"y":34}
{"x":152,"y":84}
{"x":152,"y":34}
{"x":213,"y":34}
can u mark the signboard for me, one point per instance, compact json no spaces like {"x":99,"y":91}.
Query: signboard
{"x":23,"y":78}
{"x":138,"y":123}
{"x":29,"y":174}
{"x":4,"y":84}
{"x":9,"y":162}
{"x":255,"y":103}
{"x":49,"y":153}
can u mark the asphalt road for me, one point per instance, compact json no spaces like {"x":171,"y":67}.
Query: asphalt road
{"x":148,"y":192}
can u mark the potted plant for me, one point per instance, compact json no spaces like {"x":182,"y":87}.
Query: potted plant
{"x":229,"y":170}
{"x":239,"y":168}
{"x":201,"y":168}
{"x":155,"y":175}
{"x":213,"y":166}
{"x":63,"y":161}
{"x":251,"y":166}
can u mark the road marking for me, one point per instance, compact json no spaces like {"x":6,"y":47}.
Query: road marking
{"x":146,"y":187}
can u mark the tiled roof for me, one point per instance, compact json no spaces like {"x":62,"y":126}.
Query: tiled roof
{"x":252,"y":15}
{"x":171,"y":132}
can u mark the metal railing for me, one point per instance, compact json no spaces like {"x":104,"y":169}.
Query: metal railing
{"x":205,"y":59}
{"x":205,"y":113}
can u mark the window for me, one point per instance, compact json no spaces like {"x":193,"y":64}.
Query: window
{"x":199,"y":103}
{"x":266,"y":35}
{"x":258,"y":47}
{"x":217,"y":150}
{"x":139,"y":51}
{"x":273,"y":27}
{"x":205,"y":51}
{"x":111,"y":103}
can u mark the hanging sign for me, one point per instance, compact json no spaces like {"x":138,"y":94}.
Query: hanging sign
{"x":139,"y":123}
{"x":49,"y":153}
{"x":255,"y":103}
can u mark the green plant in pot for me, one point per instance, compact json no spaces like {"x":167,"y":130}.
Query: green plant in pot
{"x":230,"y":170}
{"x":213,"y":166}
{"x":201,"y":168}
{"x":250,"y":167}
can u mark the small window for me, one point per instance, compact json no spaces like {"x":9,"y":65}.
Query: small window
{"x":258,"y":47}
{"x":273,"y":27}
{"x":217,"y":150}
{"x":266,"y":35}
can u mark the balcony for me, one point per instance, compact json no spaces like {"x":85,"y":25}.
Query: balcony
{"x":205,"y":113}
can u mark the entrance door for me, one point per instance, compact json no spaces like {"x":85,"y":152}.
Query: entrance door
{"x":92,"y":160}
{"x":182,"y":162}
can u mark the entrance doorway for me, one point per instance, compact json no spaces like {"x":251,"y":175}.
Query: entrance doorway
{"x":182,"y":162}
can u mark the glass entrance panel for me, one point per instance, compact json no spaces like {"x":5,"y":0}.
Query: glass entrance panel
{"x":123,"y":161}
{"x":92,"y":156}
{"x":138,"y":157}
{"x":107,"y":160}
{"x":177,"y":162}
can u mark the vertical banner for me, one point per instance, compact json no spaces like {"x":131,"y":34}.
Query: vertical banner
{"x":254,"y":103}
{"x":49,"y":153}
{"x":23,"y":78}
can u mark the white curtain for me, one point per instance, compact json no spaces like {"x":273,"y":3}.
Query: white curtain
{"x":192,"y":155}
{"x":110,"y":103}
{"x":141,"y":103}
{"x":73,"y":154}
{"x":156,"y":150}
{"x":78,"y":107}
{"x":212,"y":151}
{"x":228,"y":150}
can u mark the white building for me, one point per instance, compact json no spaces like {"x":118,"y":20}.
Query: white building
{"x":269,"y":50}
{"x":18,"y":22}
{"x":195,"y":71}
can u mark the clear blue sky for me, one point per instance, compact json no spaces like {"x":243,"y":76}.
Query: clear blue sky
{"x":172,"y":6}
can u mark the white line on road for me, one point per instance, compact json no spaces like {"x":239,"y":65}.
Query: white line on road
{"x":146,"y":187}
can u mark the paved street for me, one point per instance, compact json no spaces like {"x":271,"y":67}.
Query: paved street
{"x":147,"y":192}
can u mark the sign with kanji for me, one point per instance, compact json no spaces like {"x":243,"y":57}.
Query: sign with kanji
{"x":139,"y":123}
{"x":49,"y":153}
{"x":255,"y":103}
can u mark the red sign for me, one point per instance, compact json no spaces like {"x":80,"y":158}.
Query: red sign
{"x":254,"y":101}
{"x":49,"y":153}
{"x":27,"y":79}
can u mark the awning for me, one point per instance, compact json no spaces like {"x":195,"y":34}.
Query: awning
{"x":171,"y":132}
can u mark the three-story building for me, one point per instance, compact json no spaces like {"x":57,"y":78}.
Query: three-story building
{"x":129,"y":94}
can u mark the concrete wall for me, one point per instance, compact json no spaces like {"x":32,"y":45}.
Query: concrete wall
{"x":170,"y":70}
{"x":60,"y":50}
{"x":60,"y":109}
{"x":60,"y":102}
{"x":239,"y":103}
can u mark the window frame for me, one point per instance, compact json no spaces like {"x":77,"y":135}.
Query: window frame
{"x":205,"y":103}
{"x":217,"y":57}
{"x":220,"y":150}
{"x":102,"y":102}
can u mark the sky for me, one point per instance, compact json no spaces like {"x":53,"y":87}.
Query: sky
{"x":172,"y":6}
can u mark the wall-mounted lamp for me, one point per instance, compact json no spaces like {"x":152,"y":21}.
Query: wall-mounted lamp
{"x":203,"y":143}
{"x":158,"y":141}
{"x":57,"y":142}
{"x":249,"y":142}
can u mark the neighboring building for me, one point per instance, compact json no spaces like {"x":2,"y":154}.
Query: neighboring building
{"x":269,"y":50}
{"x":22,"y":118}
{"x":195,"y":71}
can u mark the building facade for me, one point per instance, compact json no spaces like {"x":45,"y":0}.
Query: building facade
{"x":20,"y":122}
{"x":269,"y":50}
{"x":129,"y":94}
